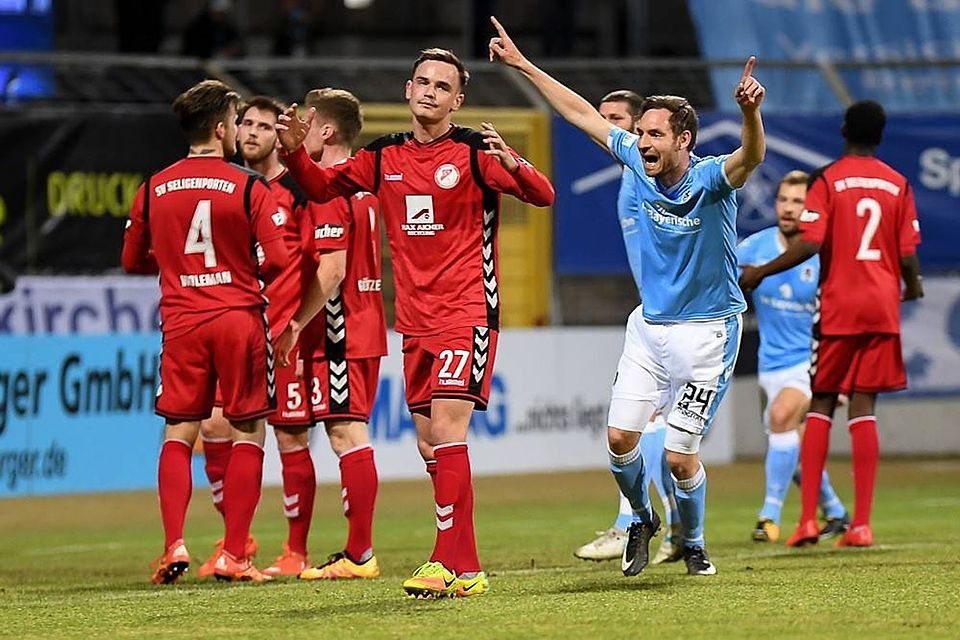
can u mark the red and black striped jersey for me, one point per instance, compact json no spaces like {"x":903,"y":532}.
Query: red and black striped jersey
{"x":441,"y":207}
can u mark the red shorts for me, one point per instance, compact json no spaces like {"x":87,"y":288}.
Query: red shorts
{"x":869,"y":363}
{"x":232,"y":350}
{"x":293,"y":400}
{"x":342,"y":389}
{"x":455,"y":364}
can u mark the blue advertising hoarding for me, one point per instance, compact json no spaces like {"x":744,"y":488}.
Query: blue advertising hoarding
{"x":588,"y":240}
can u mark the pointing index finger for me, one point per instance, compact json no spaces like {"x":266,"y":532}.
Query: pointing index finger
{"x":499,"y":27}
{"x":748,"y":68}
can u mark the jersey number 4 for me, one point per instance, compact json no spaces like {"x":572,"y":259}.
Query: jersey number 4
{"x":200,"y":235}
{"x":872,"y":207}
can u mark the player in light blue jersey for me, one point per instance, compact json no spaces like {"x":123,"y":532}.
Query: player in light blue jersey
{"x":681,"y":343}
{"x":785,"y":304}
{"x":622,"y":108}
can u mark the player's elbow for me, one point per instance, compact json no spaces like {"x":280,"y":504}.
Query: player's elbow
{"x":809,"y":249}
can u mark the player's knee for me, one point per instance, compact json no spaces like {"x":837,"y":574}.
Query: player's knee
{"x":348,"y":435}
{"x":621,"y":441}
{"x":781,"y":418}
{"x":291,"y":438}
{"x":683,"y":465}
{"x":425,"y":448}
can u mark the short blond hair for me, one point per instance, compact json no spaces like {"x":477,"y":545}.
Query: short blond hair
{"x":794,"y":177}
{"x":342,"y":108}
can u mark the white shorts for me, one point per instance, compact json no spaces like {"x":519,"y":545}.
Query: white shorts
{"x":684,"y":368}
{"x":773,"y":382}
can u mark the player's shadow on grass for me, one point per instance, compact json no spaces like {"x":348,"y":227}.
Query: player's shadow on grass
{"x":616,"y":583}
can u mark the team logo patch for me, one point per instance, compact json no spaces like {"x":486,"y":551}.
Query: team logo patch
{"x":279,"y":218}
{"x":420,"y":216}
{"x":447,"y":176}
{"x":806,"y":274}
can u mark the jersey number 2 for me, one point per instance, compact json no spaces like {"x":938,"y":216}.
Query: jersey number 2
{"x":200,"y":235}
{"x":872,"y":207}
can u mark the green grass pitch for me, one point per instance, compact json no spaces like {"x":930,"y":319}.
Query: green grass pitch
{"x":77,"y":567}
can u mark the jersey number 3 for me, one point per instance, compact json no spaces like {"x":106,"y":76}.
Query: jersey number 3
{"x":200,"y":235}
{"x":871,"y":207}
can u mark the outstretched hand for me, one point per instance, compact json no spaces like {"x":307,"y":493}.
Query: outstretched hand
{"x":292,"y":130}
{"x":497,"y":147}
{"x":749,"y":92}
{"x":502,"y":47}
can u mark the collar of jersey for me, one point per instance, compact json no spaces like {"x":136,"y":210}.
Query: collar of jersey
{"x":446,"y":135}
{"x":675,"y":190}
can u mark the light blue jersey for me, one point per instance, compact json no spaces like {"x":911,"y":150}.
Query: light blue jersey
{"x":784,"y":302}
{"x":628,"y":211}
{"x":688,"y":232}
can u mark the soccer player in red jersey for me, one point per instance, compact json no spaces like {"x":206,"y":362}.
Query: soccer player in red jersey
{"x":197,"y":221}
{"x":860,"y":216}
{"x":439,"y":186}
{"x":292,"y":418}
{"x":342,"y":346}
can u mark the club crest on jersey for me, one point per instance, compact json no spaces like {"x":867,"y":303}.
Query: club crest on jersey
{"x":279,"y":218}
{"x":420,"y":216}
{"x":447,"y":176}
{"x":806,"y":274}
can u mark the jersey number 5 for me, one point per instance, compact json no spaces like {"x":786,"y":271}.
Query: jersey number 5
{"x":200,"y":235}
{"x":872,"y":207}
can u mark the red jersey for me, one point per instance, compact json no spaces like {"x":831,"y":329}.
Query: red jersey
{"x":286,"y":291}
{"x":861,"y":213}
{"x":352,"y":325}
{"x":200,"y":219}
{"x":441,"y":207}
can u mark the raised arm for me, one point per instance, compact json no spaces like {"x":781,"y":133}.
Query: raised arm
{"x":318,"y":183}
{"x":574,"y":109}
{"x":741,"y":163}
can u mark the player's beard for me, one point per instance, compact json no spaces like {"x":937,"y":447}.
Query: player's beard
{"x":261,"y":154}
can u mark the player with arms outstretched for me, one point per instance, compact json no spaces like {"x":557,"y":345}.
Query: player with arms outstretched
{"x":198,"y":221}
{"x":682,"y":341}
{"x":439,"y":187}
{"x":861,"y":218}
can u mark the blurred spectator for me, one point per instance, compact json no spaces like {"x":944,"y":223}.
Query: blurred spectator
{"x":140,"y":25}
{"x":212,"y":34}
{"x":292,"y":30}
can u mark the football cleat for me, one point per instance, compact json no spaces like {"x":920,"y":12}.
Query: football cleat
{"x":608,"y":545}
{"x":431,"y":580}
{"x":835,"y":527}
{"x":475,"y":586}
{"x":859,"y":536}
{"x":231,"y":569}
{"x":636,"y":553}
{"x":206,"y":569}
{"x":669,"y":550}
{"x":339,"y":567}
{"x":289,"y":563}
{"x":174,"y":562}
{"x":698,"y":562}
{"x":806,"y":533}
{"x":766,"y":531}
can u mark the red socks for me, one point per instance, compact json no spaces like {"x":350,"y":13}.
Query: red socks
{"x":358,"y":481}
{"x":217,"y":455}
{"x":865,"y":448}
{"x":299,"y":488}
{"x":455,"y":546}
{"x":174,"y":485}
{"x":241,"y":495}
{"x":813,"y":456}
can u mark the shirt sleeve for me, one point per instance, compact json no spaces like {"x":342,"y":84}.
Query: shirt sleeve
{"x":271,"y":230}
{"x":623,"y":146}
{"x":909,"y":224}
{"x":815,"y":214}
{"x":527,"y":183}
{"x":712,"y":175}
{"x":136,"y":256}
{"x":746,"y":251}
{"x":331,"y":226}
{"x":326,"y":183}
{"x":628,"y":204}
